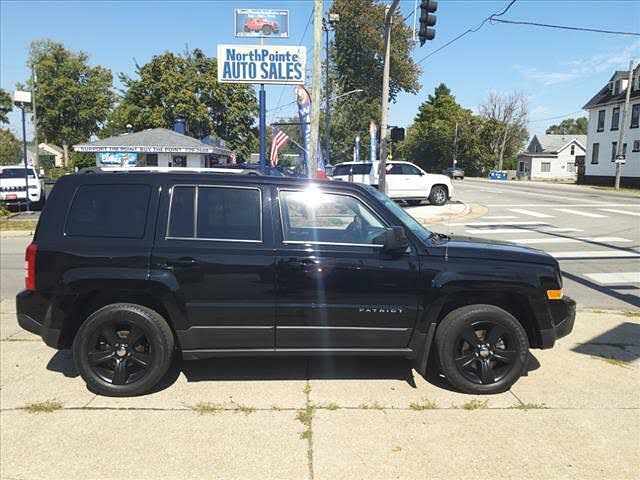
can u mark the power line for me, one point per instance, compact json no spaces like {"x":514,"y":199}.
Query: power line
{"x":556,"y":117}
{"x":565,"y":27}
{"x":304,"y":34}
{"x":470,"y":30}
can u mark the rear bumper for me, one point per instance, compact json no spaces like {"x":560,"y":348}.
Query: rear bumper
{"x":50,"y":336}
{"x":563,"y":325}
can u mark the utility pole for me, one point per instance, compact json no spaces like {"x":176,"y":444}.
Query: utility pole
{"x":455,"y":146}
{"x":619,"y":150}
{"x":315,"y":88}
{"x":388,"y":15}
{"x":34,"y":79}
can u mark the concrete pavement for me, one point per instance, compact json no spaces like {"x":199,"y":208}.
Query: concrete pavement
{"x":576,"y":415}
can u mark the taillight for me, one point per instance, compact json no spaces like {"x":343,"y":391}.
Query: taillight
{"x":30,"y":267}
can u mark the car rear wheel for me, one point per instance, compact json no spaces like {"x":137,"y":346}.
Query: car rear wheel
{"x":123,"y":350}
{"x":438,"y":195}
{"x":266,"y":30}
{"x":482,"y":349}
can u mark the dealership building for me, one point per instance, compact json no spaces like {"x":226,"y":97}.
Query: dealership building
{"x":156,"y":147}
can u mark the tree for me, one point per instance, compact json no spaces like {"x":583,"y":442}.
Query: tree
{"x":430,"y":140}
{"x":6,"y":105}
{"x":10,"y":148}
{"x":73,"y":98}
{"x":504,"y":131}
{"x":570,"y":126}
{"x":357,"y":61}
{"x":186,"y":86}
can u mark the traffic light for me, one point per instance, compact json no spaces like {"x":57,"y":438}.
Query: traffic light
{"x":427,"y":7}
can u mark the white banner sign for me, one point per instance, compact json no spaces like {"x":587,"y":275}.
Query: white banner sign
{"x":256,"y":64}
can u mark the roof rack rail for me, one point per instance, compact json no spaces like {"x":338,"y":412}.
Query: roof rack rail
{"x":228,"y":171}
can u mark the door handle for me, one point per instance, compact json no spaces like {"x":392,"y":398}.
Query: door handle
{"x":185,"y":262}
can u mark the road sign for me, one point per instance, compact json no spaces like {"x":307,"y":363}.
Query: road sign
{"x":268,"y":64}
{"x":260,"y":22}
{"x":621,"y":159}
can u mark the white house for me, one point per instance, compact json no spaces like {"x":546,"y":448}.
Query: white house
{"x":605,"y":118}
{"x":552,"y":157}
{"x":156,"y":147}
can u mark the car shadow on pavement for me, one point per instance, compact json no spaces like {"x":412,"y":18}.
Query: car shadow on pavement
{"x":619,"y":343}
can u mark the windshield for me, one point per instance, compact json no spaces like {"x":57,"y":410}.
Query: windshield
{"x":353,"y":169}
{"x":15,"y":173}
{"x":408,"y":221}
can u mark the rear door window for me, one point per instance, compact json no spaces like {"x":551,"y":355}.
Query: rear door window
{"x":115,"y":211}
{"x":208,"y":212}
{"x":353,"y":169}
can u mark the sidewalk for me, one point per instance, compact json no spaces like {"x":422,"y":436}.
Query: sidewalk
{"x":576,"y":415}
{"x":454,"y":209}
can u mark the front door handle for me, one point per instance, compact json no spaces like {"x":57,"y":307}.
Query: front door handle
{"x":185,"y":262}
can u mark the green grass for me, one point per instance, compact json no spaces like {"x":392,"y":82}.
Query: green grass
{"x":634,"y":191}
{"x":13,"y":225}
{"x":475,"y":405}
{"x":371,"y":406}
{"x":305,"y":417}
{"x":307,"y":389}
{"x":47,"y":406}
{"x":529,"y":406}
{"x":615,"y":361}
{"x":424,"y":405}
{"x":206,"y":408}
{"x":244,"y":409}
{"x":331,"y":406}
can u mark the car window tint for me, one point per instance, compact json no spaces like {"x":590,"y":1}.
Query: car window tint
{"x":409,"y":169}
{"x":352,"y":169}
{"x":313,"y":216}
{"x":182,"y":211}
{"x":394,"y":169}
{"x":109,"y":211}
{"x":229,"y":213}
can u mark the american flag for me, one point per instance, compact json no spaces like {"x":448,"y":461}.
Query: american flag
{"x":280,"y":139}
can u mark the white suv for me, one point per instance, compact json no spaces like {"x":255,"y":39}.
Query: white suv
{"x":405,"y":181}
{"x":13,"y":191}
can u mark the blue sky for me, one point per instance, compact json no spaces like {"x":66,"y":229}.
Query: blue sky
{"x":558,"y":70}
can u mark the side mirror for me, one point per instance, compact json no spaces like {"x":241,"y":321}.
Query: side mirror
{"x":395,"y":239}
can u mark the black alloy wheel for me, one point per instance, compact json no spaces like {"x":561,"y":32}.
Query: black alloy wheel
{"x":481,"y":349}
{"x":484,"y":352}
{"x":123,"y":349}
{"x":120,"y":353}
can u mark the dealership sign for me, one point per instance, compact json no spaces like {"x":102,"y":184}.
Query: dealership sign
{"x":117,"y":159}
{"x":253,"y":22}
{"x":261,"y":64}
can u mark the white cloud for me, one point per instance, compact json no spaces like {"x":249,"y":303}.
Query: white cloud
{"x":598,"y":63}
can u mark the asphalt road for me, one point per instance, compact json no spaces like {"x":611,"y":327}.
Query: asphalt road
{"x":595,"y":234}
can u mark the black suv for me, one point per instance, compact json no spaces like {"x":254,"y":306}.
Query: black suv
{"x":127,"y":268}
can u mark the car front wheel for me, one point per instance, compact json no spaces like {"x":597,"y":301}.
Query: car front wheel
{"x":123,"y":350}
{"x":266,"y":30}
{"x":482,"y":349}
{"x":438,"y":195}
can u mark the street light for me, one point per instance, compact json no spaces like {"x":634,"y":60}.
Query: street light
{"x":328,"y":25}
{"x":22,"y":100}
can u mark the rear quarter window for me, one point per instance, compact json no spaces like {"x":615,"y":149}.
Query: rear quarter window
{"x":113,"y":211}
{"x":354,"y":169}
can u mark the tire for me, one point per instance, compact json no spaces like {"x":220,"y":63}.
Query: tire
{"x":106,"y":359}
{"x":438,"y":195}
{"x":266,"y":30}
{"x":414,"y":203}
{"x":498,"y":358}
{"x":246,"y":29}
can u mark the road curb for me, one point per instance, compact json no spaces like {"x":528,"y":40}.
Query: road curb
{"x":470,"y":210}
{"x":16,"y":233}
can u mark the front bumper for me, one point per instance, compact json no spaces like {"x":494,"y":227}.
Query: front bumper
{"x":564,"y":319}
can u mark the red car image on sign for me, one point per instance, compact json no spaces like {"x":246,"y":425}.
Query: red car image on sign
{"x":261,"y":25}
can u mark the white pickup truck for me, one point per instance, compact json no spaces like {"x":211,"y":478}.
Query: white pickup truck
{"x":405,"y":181}
{"x":13,"y":187}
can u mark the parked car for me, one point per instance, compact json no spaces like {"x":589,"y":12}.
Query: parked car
{"x":126,"y":269}
{"x":261,"y":25}
{"x":454,"y":172}
{"x":405,"y":181}
{"x":13,"y":187}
